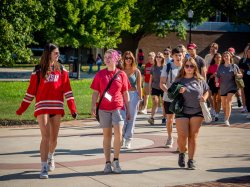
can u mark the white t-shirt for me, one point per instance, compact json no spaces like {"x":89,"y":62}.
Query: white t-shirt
{"x":208,"y":59}
{"x":175,"y":70}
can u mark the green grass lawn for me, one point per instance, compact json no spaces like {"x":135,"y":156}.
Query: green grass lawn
{"x":12,"y":93}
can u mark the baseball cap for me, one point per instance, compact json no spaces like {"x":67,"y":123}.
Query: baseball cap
{"x":192,"y":46}
{"x":231,"y":50}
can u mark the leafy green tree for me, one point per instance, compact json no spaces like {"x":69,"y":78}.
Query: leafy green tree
{"x":19,"y":19}
{"x":237,"y":11}
{"x":91,"y":23}
{"x":164,"y":16}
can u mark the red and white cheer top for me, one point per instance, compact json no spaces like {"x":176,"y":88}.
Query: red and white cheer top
{"x":49,"y":93}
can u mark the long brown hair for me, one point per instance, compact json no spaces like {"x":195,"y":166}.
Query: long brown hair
{"x":45,"y":60}
{"x":182,"y":72}
{"x":231,"y":58}
{"x":162,"y":59}
{"x":213,"y":59}
{"x":133,"y":64}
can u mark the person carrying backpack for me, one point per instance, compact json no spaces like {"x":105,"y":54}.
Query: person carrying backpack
{"x":168,"y":74}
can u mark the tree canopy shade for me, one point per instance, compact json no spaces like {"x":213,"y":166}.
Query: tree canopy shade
{"x":92,"y":23}
{"x":99,"y":23}
{"x":19,"y":19}
{"x":164,"y":16}
{"x":237,"y":11}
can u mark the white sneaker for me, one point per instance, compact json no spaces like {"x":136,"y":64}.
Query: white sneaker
{"x":123,"y":142}
{"x":169,"y":143}
{"x":144,"y":111}
{"x":107,"y":168}
{"x":51,"y":163}
{"x":44,"y":172}
{"x":227,"y":123}
{"x":127,"y":144}
{"x":116,"y":167}
{"x":248,"y":116}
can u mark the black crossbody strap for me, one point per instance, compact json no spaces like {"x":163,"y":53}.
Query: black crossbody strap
{"x":109,"y":84}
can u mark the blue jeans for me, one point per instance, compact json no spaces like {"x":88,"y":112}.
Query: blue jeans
{"x":129,"y":125}
{"x":99,"y":67}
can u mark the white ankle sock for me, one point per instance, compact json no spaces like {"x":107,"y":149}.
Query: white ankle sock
{"x":51,"y":155}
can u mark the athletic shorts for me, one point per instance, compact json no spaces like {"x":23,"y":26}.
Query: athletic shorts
{"x":157,"y":92}
{"x":182,"y":115}
{"x":145,"y":84}
{"x":166,"y":107}
{"x":231,"y":91}
{"x":112,"y":117}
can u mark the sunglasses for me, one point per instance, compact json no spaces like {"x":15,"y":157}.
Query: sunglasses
{"x":128,"y":58}
{"x":56,"y":53}
{"x":189,"y":66}
{"x":158,"y":57}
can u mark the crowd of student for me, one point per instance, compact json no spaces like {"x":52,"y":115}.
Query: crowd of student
{"x":124,"y":89}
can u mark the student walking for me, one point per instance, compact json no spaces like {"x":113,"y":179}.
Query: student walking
{"x":154,"y":85}
{"x":140,"y":58}
{"x":228,"y":87}
{"x":214,"y":85}
{"x":245,"y":68}
{"x":49,"y":84}
{"x":135,"y":95}
{"x":192,"y":49}
{"x":90,"y":62}
{"x":168,"y":74}
{"x":112,"y":107}
{"x":98,"y":61}
{"x":146,"y":90}
{"x":188,"y":122}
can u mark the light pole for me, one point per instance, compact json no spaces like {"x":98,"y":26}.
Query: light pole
{"x":190,"y":17}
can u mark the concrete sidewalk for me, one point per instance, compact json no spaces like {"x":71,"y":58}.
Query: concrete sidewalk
{"x":223,"y":156}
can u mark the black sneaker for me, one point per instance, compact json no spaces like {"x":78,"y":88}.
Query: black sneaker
{"x":181,"y":161}
{"x":163,"y":121}
{"x":239,"y":103}
{"x":190,"y":164}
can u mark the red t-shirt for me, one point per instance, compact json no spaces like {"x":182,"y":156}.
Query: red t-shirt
{"x":118,"y":86}
{"x":147,"y":70}
{"x":140,"y":58}
{"x":212,"y":69}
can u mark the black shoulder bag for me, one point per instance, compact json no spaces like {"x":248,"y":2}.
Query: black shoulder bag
{"x":109,"y":84}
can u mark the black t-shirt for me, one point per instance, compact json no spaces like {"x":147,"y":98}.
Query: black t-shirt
{"x":200,"y":62}
{"x":244,"y":65}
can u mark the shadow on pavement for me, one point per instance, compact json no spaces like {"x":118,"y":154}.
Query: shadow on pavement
{"x":232,"y":170}
{"x":35,"y":174}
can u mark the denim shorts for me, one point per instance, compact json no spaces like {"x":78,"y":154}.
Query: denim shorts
{"x":112,"y":117}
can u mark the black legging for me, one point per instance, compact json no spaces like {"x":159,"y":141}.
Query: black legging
{"x":247,"y":94}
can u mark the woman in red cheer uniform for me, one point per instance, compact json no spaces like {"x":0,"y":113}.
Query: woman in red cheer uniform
{"x":112,"y":107}
{"x":49,"y":83}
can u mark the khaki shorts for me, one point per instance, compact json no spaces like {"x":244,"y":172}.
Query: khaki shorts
{"x":112,"y":117}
